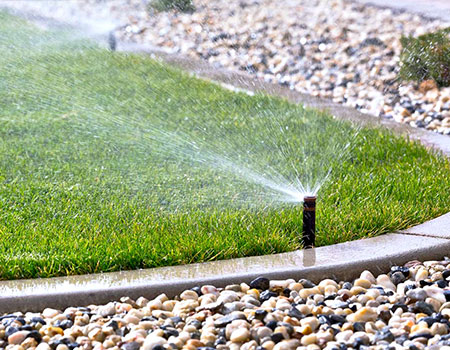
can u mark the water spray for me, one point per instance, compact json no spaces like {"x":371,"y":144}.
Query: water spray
{"x":309,"y":221}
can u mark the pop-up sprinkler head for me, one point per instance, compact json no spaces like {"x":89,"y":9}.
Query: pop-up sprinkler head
{"x":112,"y":41}
{"x":309,"y":221}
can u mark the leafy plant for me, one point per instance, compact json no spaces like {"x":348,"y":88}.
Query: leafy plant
{"x":426,"y":57}
{"x":177,"y":5}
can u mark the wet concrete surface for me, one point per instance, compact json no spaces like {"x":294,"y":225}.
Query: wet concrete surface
{"x":439,"y":228}
{"x":342,"y":261}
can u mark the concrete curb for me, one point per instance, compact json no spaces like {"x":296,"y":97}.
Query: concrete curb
{"x":432,"y":9}
{"x":437,"y":228}
{"x":344,"y":261}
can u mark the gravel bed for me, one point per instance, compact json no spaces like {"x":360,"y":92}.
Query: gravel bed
{"x":408,"y":308}
{"x":335,"y":49}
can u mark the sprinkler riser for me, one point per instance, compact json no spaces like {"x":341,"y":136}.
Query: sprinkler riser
{"x":112,"y":41}
{"x":309,"y":222}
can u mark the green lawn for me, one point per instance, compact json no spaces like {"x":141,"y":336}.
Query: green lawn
{"x":111,"y":161}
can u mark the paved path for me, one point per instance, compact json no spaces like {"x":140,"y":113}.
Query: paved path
{"x":430,"y":8}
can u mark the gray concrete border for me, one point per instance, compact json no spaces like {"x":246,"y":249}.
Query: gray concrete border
{"x":438,"y":228}
{"x":344,"y":261}
{"x":431,"y":9}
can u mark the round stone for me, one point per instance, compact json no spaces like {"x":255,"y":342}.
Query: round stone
{"x":417,"y":294}
{"x":361,"y":282}
{"x":17,"y":337}
{"x":240,"y":335}
{"x":260,"y":283}
{"x":364,"y":314}
{"x":152,"y":342}
{"x":398,"y":277}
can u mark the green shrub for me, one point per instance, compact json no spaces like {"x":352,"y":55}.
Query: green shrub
{"x":426,"y":57}
{"x":178,"y":5}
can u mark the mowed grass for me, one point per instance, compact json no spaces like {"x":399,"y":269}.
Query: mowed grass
{"x":102,"y":165}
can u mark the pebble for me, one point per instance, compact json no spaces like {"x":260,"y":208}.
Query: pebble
{"x":436,"y":293}
{"x":361,"y":282}
{"x":50,"y":313}
{"x":308,"y":339}
{"x":261,"y":283}
{"x":17,"y":337}
{"x":43,"y":346}
{"x":107,"y":310}
{"x":189,"y":295}
{"x":152,"y":342}
{"x":416,"y":294}
{"x":225,"y":320}
{"x":421,"y":274}
{"x":364,"y":314}
{"x":208,"y":289}
{"x":287,"y":344}
{"x":240,"y":335}
{"x":385,"y":281}
{"x":131,"y":346}
{"x":397,"y":278}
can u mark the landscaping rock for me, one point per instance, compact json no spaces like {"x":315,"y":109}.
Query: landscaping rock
{"x":261,"y":283}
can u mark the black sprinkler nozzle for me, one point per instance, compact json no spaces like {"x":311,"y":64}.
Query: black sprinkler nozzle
{"x":309,"y":222}
{"x":112,"y":41}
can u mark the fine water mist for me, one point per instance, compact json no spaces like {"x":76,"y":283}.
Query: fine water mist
{"x":249,"y":153}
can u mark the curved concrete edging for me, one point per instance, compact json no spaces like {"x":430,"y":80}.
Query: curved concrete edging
{"x":431,"y":9}
{"x":340,"y":261}
{"x":344,"y":261}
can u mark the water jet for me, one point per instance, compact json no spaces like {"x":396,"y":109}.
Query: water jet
{"x":309,"y":221}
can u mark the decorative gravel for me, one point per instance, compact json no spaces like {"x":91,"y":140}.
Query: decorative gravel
{"x":334,"y":49}
{"x":408,"y":308}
